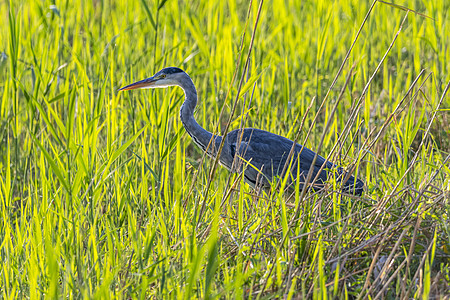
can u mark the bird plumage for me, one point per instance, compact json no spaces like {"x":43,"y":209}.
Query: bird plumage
{"x":260,"y":154}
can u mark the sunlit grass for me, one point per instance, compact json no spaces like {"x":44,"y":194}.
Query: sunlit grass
{"x":104,"y":195}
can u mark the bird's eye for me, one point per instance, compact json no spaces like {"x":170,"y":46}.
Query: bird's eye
{"x":162,"y":76}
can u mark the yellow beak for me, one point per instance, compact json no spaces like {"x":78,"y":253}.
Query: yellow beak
{"x":146,"y":83}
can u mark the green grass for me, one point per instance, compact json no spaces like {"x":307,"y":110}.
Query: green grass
{"x":102,"y":192}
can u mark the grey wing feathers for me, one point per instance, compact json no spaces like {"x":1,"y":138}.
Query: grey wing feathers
{"x":263,"y":155}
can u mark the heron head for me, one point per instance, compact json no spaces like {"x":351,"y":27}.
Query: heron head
{"x":166,"y":77}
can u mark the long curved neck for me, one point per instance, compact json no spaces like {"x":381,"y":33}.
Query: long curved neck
{"x":199,"y":135}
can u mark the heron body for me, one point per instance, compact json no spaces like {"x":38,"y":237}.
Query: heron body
{"x":260,"y":154}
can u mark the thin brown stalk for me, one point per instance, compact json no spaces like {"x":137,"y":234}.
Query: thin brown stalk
{"x":354,"y":112}
{"x":388,"y":261}
{"x":372,"y":265}
{"x":386,"y":285}
{"x":216,"y":160}
{"x":419,"y":269}
{"x":421,"y":143}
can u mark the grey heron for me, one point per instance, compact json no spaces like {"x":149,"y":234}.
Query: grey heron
{"x":260,"y":154}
